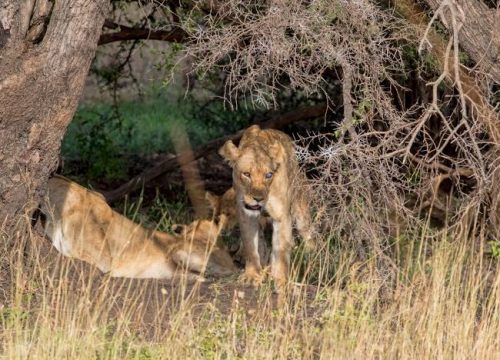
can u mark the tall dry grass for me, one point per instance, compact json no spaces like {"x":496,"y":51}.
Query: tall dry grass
{"x":445,"y":303}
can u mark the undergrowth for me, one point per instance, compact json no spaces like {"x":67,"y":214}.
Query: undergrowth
{"x":444,"y":304}
{"x":112,"y":142}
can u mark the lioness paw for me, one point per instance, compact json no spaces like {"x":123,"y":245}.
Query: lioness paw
{"x":310,"y":245}
{"x":252,"y":277}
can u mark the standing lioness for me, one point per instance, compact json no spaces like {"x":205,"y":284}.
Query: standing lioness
{"x":266,"y":177}
{"x":82,"y":225}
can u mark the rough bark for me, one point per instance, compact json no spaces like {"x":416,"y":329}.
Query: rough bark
{"x":45,"y":57}
{"x":479,"y":34}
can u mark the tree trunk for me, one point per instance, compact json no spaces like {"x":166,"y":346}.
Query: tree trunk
{"x":475,"y":96}
{"x":45,"y":54}
{"x":479,"y":33}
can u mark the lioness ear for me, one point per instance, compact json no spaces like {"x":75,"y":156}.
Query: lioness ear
{"x":229,"y":151}
{"x":253,"y":129}
{"x":178,"y":228}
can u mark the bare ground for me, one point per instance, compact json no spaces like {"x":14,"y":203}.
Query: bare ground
{"x":149,"y":303}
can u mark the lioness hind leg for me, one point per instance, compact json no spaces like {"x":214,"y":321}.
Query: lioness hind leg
{"x":220,"y":263}
{"x":302,"y":217}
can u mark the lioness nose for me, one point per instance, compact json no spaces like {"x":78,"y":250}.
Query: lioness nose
{"x":258,"y":198}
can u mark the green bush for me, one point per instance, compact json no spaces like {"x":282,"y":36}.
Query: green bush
{"x":109,"y":142}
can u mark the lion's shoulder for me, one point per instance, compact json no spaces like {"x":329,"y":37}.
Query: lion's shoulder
{"x":66,"y":196}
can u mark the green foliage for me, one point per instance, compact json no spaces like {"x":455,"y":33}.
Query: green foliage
{"x":107,"y":142}
{"x":92,"y":139}
{"x":107,"y":74}
{"x":494,"y":249}
{"x":169,"y":61}
{"x":424,"y":62}
{"x":215,"y":120}
{"x":167,"y":212}
{"x":160,"y":214}
{"x":12,"y":315}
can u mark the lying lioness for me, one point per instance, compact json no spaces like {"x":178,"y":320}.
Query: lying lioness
{"x":81,"y":224}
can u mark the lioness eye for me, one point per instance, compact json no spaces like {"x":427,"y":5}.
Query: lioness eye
{"x":269,"y":175}
{"x":246,"y":174}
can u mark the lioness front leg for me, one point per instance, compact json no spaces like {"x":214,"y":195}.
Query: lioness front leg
{"x":280,"y":258}
{"x":249,"y":227}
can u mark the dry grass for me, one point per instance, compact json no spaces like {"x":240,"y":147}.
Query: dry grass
{"x":444,"y":304}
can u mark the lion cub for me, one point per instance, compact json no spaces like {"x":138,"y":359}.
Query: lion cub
{"x":266,"y":176}
{"x":81,"y":224}
{"x":225,"y":205}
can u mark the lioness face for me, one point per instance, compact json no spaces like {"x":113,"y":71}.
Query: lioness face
{"x":224,"y":205}
{"x":253,"y":175}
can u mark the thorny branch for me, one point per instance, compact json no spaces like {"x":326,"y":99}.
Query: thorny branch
{"x":261,"y":51}
{"x":398,"y":158}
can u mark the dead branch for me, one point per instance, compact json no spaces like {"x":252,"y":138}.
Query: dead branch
{"x":438,"y":166}
{"x":348,"y":121}
{"x":257,"y":49}
{"x":176,"y":35}
{"x":434,"y":201}
{"x":181,"y":159}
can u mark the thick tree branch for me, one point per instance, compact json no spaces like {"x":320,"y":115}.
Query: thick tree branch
{"x":176,"y":35}
{"x":188,"y":156}
{"x":479,"y":34}
{"x":39,"y":91}
{"x":474,"y":95}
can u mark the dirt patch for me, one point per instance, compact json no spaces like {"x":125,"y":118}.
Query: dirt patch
{"x":49,"y":279}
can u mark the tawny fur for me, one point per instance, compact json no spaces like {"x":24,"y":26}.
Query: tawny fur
{"x":81,"y":224}
{"x":266,"y":176}
{"x":225,"y":206}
